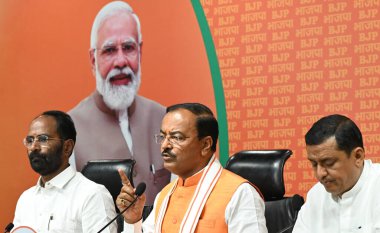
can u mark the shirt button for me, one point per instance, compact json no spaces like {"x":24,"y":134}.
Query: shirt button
{"x":174,"y":221}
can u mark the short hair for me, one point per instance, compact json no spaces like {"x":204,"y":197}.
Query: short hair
{"x":65,"y":125}
{"x":109,"y":10}
{"x":206,"y":124}
{"x":346,"y":132}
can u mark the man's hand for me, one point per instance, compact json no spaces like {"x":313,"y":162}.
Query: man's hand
{"x":126,"y":196}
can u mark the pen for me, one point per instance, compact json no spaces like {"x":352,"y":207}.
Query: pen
{"x":50,"y":219}
{"x":153,"y":169}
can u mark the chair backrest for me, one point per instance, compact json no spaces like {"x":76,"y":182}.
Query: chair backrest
{"x":281,"y":215}
{"x":105,"y":172}
{"x":265,"y":169}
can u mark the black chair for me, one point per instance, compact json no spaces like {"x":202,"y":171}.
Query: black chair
{"x":265,"y":168}
{"x":105,"y":172}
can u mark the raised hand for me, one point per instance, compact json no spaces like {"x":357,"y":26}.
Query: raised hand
{"x":126,"y":197}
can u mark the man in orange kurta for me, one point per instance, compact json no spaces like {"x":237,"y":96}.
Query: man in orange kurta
{"x":205,"y":197}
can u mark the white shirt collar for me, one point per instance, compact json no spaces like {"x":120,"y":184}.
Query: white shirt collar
{"x":59,"y":181}
{"x":358,"y":186}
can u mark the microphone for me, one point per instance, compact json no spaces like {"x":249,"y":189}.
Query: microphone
{"x":140,"y":189}
{"x":9,"y":227}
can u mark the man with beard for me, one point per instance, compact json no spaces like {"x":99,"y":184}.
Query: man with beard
{"x":63,"y":200}
{"x":205,"y":197}
{"x":114,"y":122}
{"x":346,"y":197}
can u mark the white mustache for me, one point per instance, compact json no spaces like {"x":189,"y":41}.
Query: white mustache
{"x":115,"y":71}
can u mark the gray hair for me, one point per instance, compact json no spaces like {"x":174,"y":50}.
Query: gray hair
{"x":111,"y":9}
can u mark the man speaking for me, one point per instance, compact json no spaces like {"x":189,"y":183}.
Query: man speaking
{"x":205,"y":197}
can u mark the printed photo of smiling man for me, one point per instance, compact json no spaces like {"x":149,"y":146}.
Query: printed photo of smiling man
{"x":114,"y":122}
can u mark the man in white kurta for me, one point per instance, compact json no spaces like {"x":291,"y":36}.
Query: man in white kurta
{"x":346,"y":199}
{"x":63,"y":201}
{"x":68,"y":203}
{"x":358,"y":210}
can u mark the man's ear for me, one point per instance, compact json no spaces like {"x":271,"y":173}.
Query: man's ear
{"x":140,"y":50}
{"x":68,"y":147}
{"x":92,"y":60}
{"x":359,"y":155}
{"x":206,"y":145}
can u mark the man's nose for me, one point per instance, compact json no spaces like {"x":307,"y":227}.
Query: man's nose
{"x":165,"y":144}
{"x":35,"y":145}
{"x":121,"y":59}
{"x":321,"y":172}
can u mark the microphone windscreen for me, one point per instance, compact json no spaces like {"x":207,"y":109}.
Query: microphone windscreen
{"x":140,"y":189}
{"x":9,"y":227}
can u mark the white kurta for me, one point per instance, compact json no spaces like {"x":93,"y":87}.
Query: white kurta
{"x":68,"y":203}
{"x":358,"y":210}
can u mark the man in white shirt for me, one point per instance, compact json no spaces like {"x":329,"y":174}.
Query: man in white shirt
{"x":63,"y":200}
{"x":205,"y":197}
{"x":346,"y":199}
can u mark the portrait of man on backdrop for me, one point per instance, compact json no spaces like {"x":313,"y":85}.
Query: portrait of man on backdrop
{"x":114,"y":122}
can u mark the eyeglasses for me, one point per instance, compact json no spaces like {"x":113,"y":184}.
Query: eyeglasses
{"x":42,"y":140}
{"x":172,"y":139}
{"x":129,"y":50}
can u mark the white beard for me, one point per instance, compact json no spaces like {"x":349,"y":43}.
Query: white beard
{"x":118,"y":97}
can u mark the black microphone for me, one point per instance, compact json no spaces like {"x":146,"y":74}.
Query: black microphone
{"x":140,"y":189}
{"x":9,"y":227}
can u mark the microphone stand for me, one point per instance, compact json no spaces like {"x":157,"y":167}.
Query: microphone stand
{"x":118,"y":215}
{"x":139,"y":191}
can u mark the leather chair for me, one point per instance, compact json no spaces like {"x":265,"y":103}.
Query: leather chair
{"x":265,"y":168}
{"x":105,"y":172}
